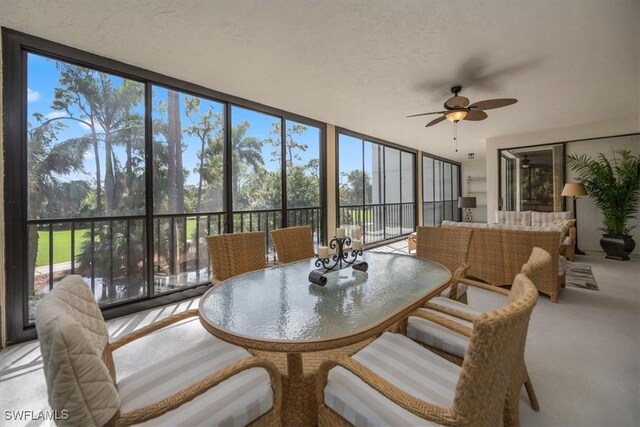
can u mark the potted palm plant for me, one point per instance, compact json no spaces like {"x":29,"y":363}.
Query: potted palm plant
{"x":614,"y":186}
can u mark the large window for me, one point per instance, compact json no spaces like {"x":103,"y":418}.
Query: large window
{"x":119,"y":174}
{"x":440,"y":190}
{"x":376,"y":189}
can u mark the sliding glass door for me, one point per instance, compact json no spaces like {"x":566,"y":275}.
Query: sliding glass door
{"x":376,"y":188}
{"x":440,"y":190}
{"x":118,"y":176}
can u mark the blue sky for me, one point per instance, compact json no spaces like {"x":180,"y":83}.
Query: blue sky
{"x":43,"y":76}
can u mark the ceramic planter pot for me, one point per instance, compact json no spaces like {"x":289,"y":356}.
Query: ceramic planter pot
{"x":617,"y":247}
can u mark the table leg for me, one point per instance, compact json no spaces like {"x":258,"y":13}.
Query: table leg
{"x":299,"y":399}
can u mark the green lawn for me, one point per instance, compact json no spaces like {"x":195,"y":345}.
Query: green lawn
{"x":62,"y":243}
{"x":61,"y":246}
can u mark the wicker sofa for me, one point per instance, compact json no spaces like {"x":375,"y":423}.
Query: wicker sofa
{"x":542,"y":221}
{"x":497,"y":253}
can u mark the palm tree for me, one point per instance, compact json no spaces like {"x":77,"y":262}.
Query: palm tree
{"x":207,"y":127}
{"x":47,"y":162}
{"x":245,"y":152}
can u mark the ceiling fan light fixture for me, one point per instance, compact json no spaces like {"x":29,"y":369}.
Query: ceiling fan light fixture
{"x":456,"y":115}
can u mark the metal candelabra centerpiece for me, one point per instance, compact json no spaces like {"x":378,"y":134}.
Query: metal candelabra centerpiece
{"x":341,"y":259}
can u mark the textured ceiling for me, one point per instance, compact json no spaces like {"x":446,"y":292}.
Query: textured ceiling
{"x":365,"y":65}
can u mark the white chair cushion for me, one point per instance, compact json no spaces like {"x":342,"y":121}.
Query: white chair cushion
{"x":440,"y":337}
{"x":403,"y":363}
{"x":72,"y":336}
{"x":513,"y":217}
{"x":567,"y":241}
{"x":545,"y":219}
{"x":235,"y":402}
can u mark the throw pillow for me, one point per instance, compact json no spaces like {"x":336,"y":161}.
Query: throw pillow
{"x":563,"y":225}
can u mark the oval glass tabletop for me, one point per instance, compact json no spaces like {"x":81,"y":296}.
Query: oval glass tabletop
{"x":280,"y":305}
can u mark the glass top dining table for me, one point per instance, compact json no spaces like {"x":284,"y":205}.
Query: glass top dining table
{"x":278,"y":309}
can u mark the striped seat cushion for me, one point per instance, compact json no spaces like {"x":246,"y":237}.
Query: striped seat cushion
{"x":403,"y":363}
{"x":234,"y":402}
{"x":440,"y":337}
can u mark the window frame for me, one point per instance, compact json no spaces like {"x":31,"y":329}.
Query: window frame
{"x":384,"y":144}
{"x":452,"y":164}
{"x":16,"y":46}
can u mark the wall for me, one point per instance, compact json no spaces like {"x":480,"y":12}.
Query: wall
{"x":591,"y":130}
{"x":478,"y":189}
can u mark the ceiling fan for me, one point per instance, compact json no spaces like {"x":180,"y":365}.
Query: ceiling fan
{"x":457,"y":108}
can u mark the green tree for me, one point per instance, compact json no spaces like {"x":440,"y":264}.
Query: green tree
{"x":353,"y":186}
{"x":246,"y":154}
{"x":92,"y":98}
{"x":207,"y":126}
{"x":48,"y":161}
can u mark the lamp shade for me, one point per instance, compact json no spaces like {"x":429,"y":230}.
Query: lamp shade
{"x":574,"y":189}
{"x":466,"y":202}
{"x":455,"y":115}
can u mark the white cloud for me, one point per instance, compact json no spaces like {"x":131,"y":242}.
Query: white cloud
{"x":88,"y":155}
{"x":54,"y":115}
{"x":32,"y":95}
{"x":86,"y":127}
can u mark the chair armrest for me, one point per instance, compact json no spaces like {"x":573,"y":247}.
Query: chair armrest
{"x":458,"y":273}
{"x":167,"y":404}
{"x":484,"y":286}
{"x":572,"y":235}
{"x":450,"y":311}
{"x":443,"y":321}
{"x":411,"y":403}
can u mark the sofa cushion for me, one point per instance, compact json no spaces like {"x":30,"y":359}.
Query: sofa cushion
{"x":447,"y":223}
{"x":403,"y":363}
{"x":563,"y":225}
{"x":545,"y":219}
{"x":513,"y":218}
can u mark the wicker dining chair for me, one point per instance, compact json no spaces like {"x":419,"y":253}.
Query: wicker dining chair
{"x":444,"y":327}
{"x":293,"y":243}
{"x":234,"y":254}
{"x":191,"y":387}
{"x":395,"y":381}
{"x":449,"y":247}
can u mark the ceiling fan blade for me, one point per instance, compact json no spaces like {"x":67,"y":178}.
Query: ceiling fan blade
{"x":475,"y":115}
{"x":456,"y":102}
{"x":490,"y":104}
{"x":426,"y":114}
{"x":435,"y":121}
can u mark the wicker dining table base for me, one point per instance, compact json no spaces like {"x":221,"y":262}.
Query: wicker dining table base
{"x":299,"y":370}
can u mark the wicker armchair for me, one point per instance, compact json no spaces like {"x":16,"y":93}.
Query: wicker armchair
{"x":395,"y":381}
{"x":444,"y":327}
{"x":449,"y":247}
{"x":81,"y":377}
{"x":234,"y":254}
{"x":293,"y":243}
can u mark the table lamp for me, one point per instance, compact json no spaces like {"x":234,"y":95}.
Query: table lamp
{"x":574,"y":189}
{"x":467,"y":203}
